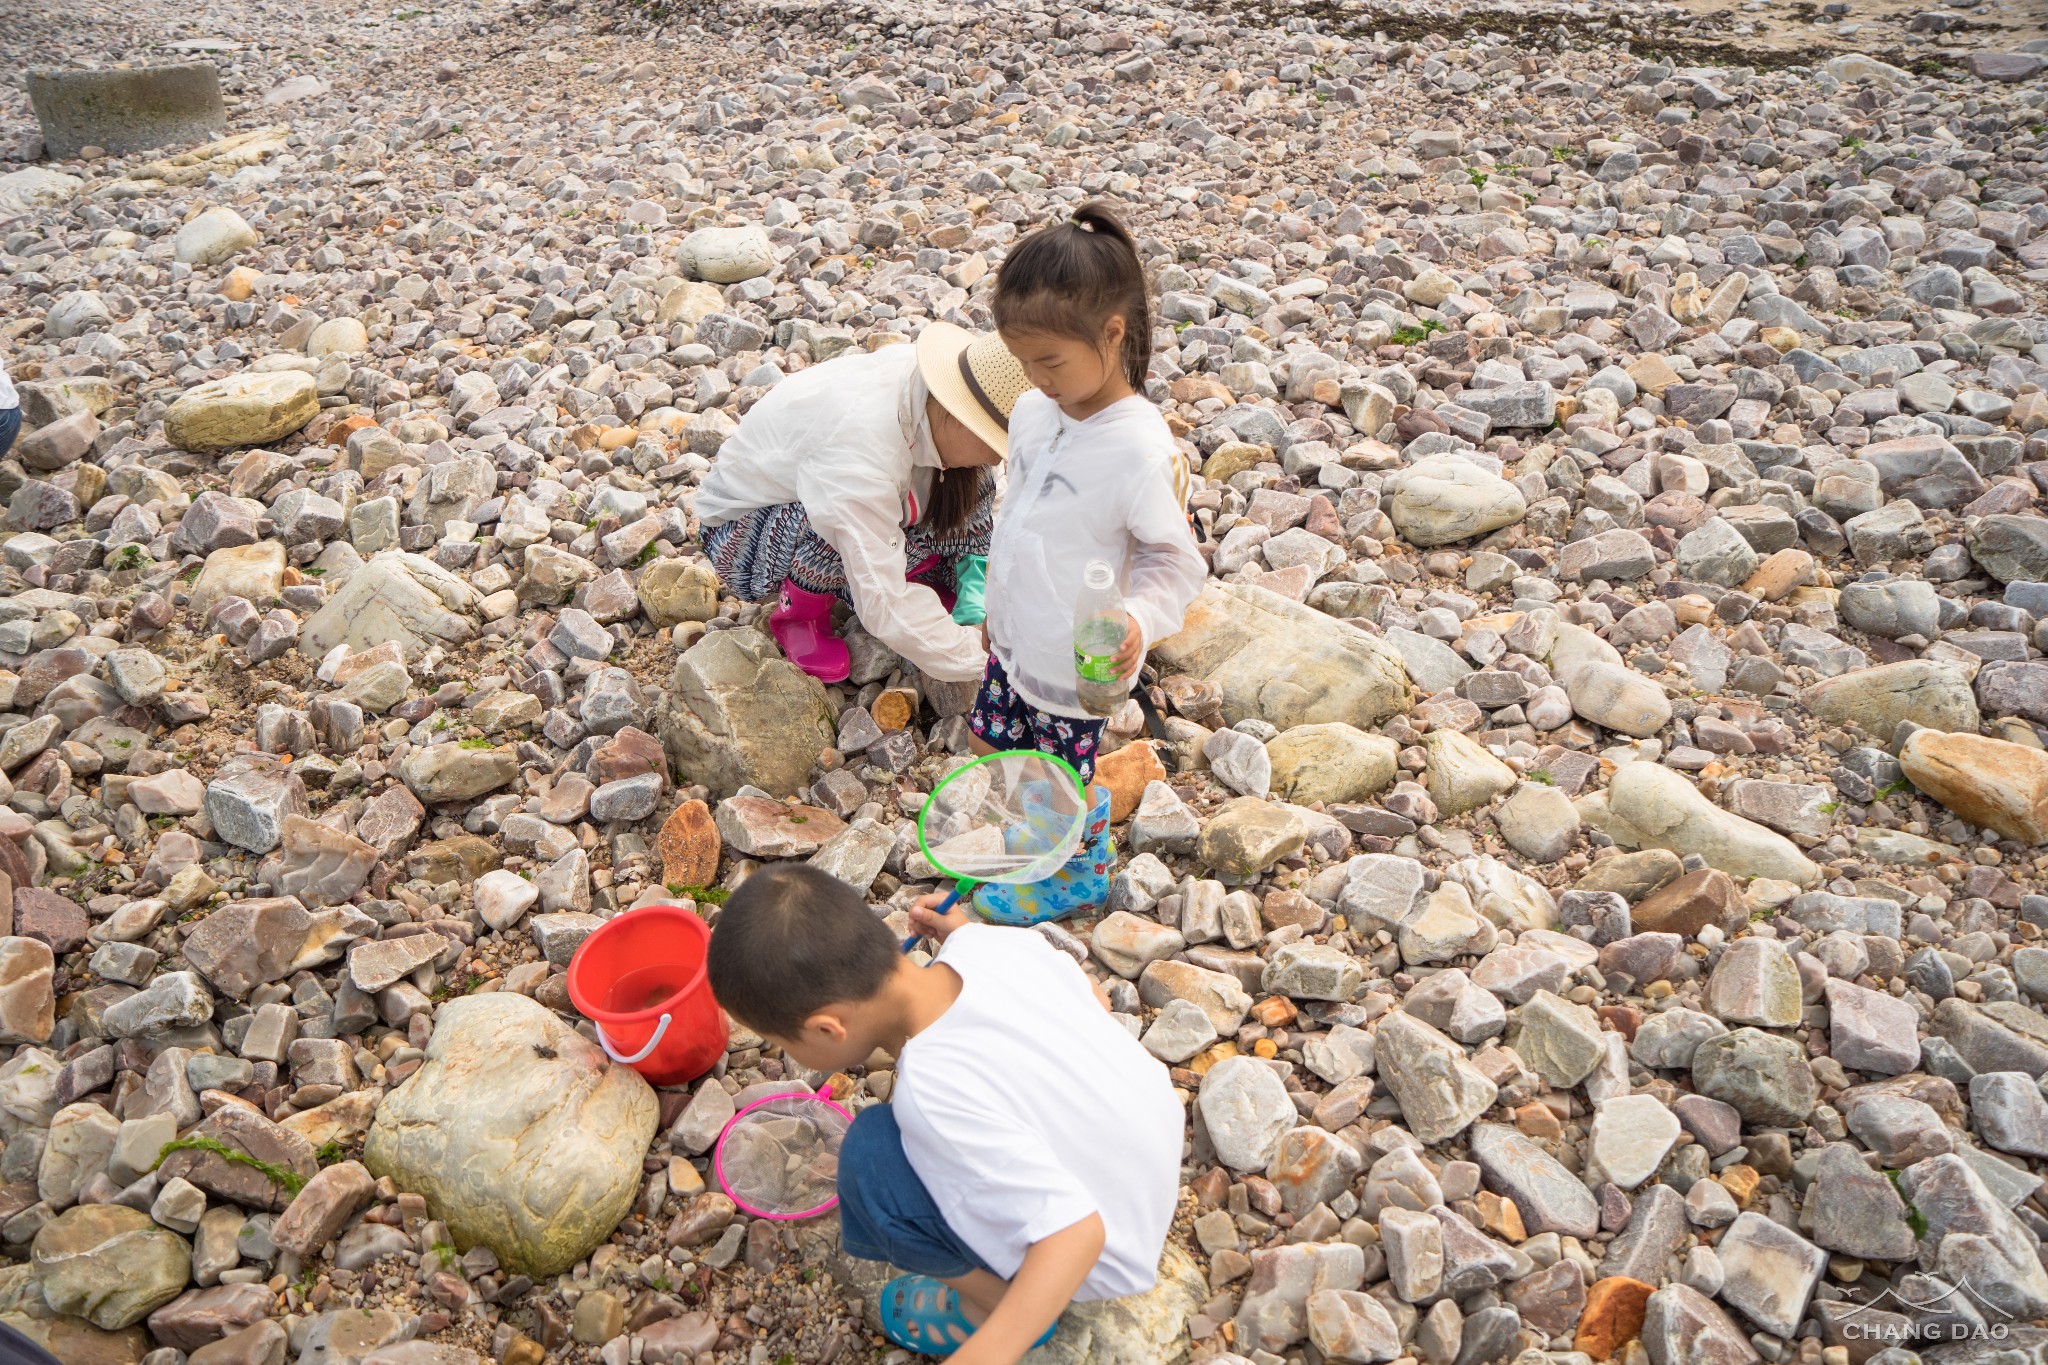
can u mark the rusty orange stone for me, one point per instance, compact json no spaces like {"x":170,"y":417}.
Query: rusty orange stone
{"x":1740,"y":1181}
{"x":894,"y":709}
{"x":1539,"y":1121}
{"x":1613,"y":1316}
{"x":1778,"y":575}
{"x":1275,"y":1011}
{"x":1126,"y":773}
{"x":1193,"y":388}
{"x":689,"y":846}
{"x":1625,"y":1018}
{"x":1500,"y":1216}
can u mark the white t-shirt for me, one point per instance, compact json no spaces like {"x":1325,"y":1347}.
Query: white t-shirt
{"x":8,"y":397}
{"x":1112,"y":488}
{"x":1024,"y":1108}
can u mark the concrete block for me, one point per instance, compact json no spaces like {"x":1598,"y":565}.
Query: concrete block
{"x":127,"y":111}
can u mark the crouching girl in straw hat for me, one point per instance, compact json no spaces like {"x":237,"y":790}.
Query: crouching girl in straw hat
{"x":869,"y":480}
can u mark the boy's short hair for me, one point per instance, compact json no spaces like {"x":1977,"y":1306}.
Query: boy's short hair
{"x":793,"y":940}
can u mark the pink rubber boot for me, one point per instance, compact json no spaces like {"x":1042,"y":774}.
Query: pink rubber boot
{"x":802,"y":624}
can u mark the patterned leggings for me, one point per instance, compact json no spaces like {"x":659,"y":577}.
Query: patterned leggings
{"x":754,"y":553}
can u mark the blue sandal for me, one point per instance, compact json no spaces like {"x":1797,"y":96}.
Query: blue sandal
{"x":920,"y":1314}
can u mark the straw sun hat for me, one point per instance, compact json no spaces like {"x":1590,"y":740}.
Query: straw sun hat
{"x":974,"y":377}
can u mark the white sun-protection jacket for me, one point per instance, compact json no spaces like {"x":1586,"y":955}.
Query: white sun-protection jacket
{"x":1111,"y":488}
{"x":8,"y":398}
{"x":849,"y":440}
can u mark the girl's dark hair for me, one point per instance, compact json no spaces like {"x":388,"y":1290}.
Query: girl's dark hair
{"x":1070,"y":279}
{"x":955,"y":495}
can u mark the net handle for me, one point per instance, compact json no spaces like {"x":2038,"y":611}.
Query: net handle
{"x":822,"y":1096}
{"x":941,"y":908}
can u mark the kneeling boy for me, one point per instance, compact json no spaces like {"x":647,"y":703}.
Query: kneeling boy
{"x":1031,"y":1153}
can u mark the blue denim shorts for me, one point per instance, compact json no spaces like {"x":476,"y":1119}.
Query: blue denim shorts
{"x":10,"y":427}
{"x":885,"y":1212}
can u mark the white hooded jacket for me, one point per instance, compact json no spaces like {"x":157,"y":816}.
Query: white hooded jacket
{"x":1110,"y":488}
{"x":849,"y":440}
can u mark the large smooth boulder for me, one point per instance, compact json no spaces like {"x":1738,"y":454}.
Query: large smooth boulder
{"x":1285,"y":663}
{"x":1332,"y":762}
{"x":1927,"y":692}
{"x":1651,"y":806}
{"x":523,"y":1136}
{"x":34,"y":186}
{"x":219,"y":234}
{"x":396,"y":597}
{"x":109,"y":1264}
{"x":126,"y":110}
{"x":739,"y":714}
{"x":1444,"y":498}
{"x":248,"y":409}
{"x":339,"y":336}
{"x":726,"y":255}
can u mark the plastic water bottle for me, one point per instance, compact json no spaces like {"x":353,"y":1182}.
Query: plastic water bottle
{"x":1099,"y":625}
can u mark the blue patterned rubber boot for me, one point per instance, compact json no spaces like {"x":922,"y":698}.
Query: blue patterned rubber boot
{"x":1080,"y":885}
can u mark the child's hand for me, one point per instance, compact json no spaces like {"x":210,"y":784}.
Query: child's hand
{"x":933,"y":925}
{"x":1131,"y":654}
{"x":983,"y":628}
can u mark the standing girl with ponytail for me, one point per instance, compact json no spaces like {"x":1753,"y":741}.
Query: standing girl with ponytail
{"x":1093,"y":474}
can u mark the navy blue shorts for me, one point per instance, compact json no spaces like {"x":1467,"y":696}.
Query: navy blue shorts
{"x":885,"y":1212}
{"x":10,"y":427}
{"x":1004,"y":720}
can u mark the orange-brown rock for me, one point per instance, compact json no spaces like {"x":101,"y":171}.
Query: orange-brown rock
{"x":1539,"y":1121}
{"x":1125,"y":773}
{"x":689,"y":846}
{"x":1690,"y":904}
{"x":1740,"y":1181}
{"x":1778,"y":575}
{"x":1613,"y":1316}
{"x":1193,"y":388}
{"x":894,"y":709}
{"x":1275,"y":1011}
{"x":1500,"y":1216}
{"x":1989,"y":782}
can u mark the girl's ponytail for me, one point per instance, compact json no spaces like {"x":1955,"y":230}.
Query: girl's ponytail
{"x":1072,"y":278}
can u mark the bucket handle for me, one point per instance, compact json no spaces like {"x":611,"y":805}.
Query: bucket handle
{"x":643,"y":1053}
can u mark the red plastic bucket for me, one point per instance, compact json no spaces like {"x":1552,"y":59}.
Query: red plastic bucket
{"x":641,"y":979}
